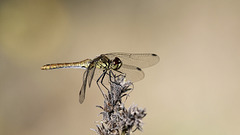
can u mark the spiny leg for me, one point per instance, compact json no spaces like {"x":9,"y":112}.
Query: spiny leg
{"x":101,"y":77}
{"x":111,"y":74}
{"x":105,"y":72}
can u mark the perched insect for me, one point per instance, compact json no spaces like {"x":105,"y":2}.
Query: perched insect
{"x":128,"y":63}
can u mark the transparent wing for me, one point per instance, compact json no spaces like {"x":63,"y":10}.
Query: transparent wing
{"x":132,"y":73}
{"x":83,"y":88}
{"x":141,"y":60}
{"x":87,"y":77}
{"x":91,"y":75}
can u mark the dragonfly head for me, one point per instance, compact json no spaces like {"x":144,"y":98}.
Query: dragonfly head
{"x":116,"y":63}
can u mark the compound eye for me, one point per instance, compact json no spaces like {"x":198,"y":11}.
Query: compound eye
{"x":117,"y":63}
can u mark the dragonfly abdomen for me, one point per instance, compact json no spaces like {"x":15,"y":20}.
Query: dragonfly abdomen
{"x":82,"y":64}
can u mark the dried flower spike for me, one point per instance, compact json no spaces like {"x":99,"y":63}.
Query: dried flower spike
{"x":118,"y":120}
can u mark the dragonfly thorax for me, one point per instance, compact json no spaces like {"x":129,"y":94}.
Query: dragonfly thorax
{"x":116,"y":63}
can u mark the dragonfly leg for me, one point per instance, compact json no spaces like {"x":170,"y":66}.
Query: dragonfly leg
{"x":114,"y":76}
{"x":105,"y":72}
{"x":111,"y":75}
{"x":101,"y":77}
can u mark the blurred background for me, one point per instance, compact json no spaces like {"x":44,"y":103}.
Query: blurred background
{"x":193,"y":90}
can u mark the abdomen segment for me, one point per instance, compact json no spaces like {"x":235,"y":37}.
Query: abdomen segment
{"x":82,"y":64}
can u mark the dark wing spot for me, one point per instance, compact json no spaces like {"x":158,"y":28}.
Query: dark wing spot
{"x":154,"y":54}
{"x":138,"y":68}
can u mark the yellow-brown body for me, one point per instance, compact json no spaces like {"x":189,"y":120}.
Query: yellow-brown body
{"x":81,"y":64}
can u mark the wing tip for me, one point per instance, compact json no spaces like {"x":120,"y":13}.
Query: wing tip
{"x":157,"y":57}
{"x":81,"y":96}
{"x":138,"y":68}
{"x":153,"y":54}
{"x":81,"y":100}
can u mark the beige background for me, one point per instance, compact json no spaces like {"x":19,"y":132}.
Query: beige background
{"x":193,"y":90}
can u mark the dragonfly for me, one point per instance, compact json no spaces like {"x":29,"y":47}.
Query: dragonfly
{"x":130,"y":64}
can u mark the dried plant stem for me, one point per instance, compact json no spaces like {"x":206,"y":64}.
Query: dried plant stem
{"x":118,"y":120}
